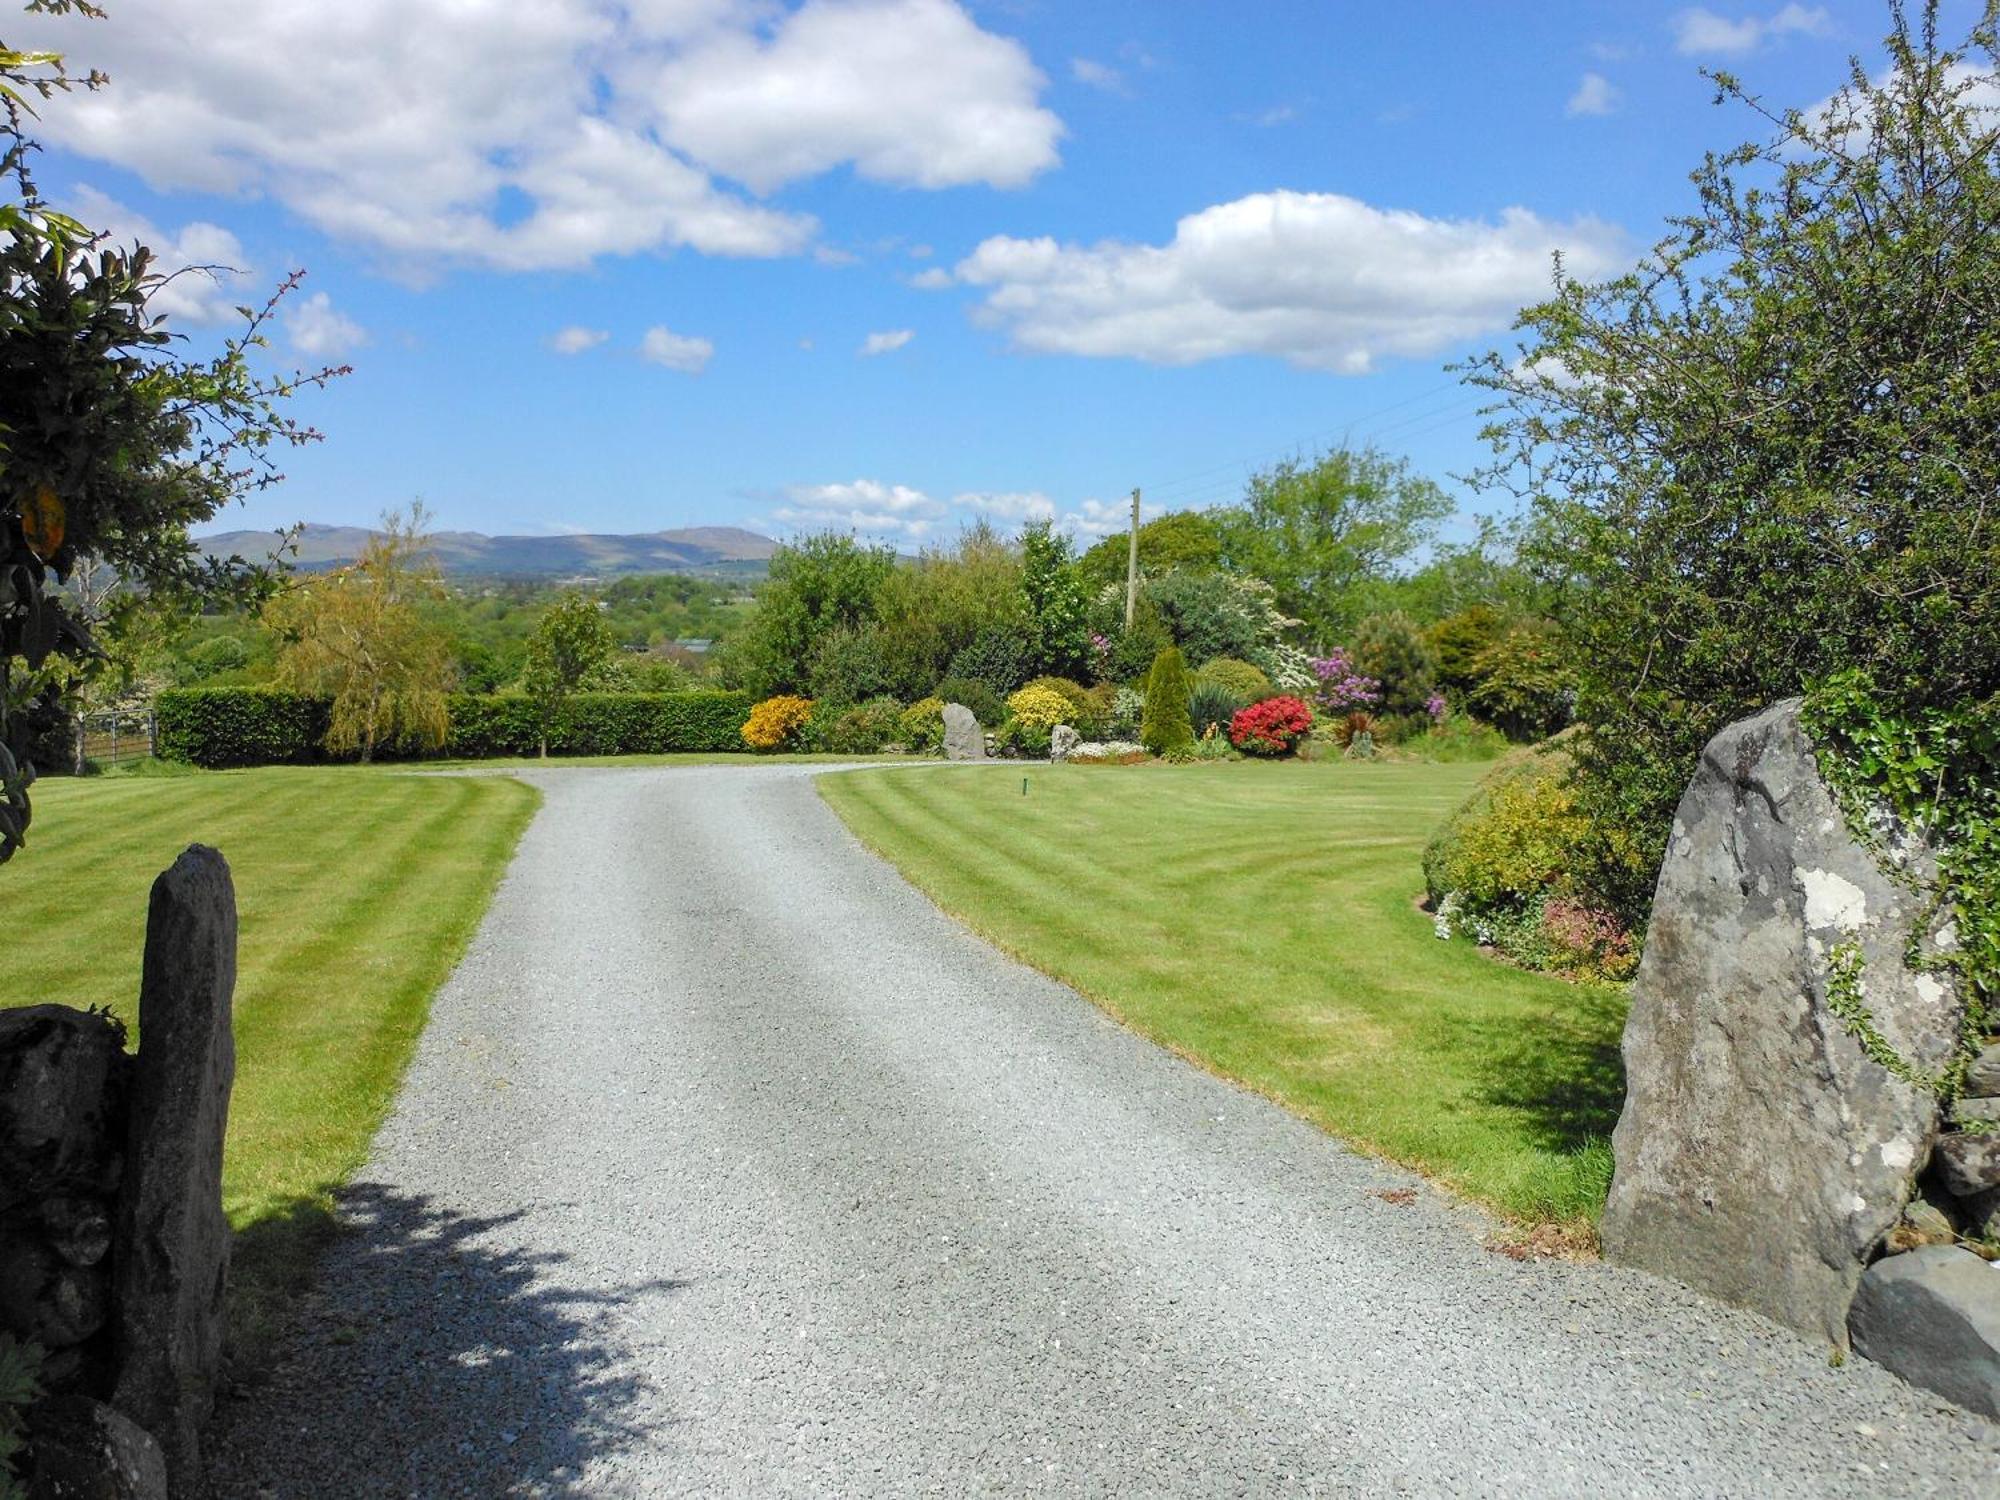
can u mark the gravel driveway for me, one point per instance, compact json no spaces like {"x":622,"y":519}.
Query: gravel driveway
{"x":728,"y":1165}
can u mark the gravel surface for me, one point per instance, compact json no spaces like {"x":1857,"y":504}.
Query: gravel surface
{"x":728,"y":1165}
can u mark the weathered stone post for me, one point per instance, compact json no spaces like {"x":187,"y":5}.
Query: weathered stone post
{"x":173,"y":1241}
{"x":1763,"y":1155}
{"x":962,"y":738}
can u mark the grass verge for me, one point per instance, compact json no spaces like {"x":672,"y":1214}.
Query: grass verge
{"x":1260,"y":919}
{"x":357,"y":891}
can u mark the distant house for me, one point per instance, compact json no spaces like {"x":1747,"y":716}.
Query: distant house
{"x":698,"y":645}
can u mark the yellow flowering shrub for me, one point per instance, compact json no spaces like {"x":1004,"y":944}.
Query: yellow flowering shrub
{"x":922,"y":724}
{"x":1040,"y":707}
{"x":776,"y":722}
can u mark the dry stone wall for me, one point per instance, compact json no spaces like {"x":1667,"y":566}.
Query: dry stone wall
{"x":113,"y":1248}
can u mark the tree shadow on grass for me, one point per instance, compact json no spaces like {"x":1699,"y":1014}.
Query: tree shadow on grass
{"x":1560,"y":1073}
{"x":438,"y":1354}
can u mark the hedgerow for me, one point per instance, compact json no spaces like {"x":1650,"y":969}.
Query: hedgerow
{"x":221,"y":727}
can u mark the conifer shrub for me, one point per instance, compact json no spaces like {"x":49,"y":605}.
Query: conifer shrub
{"x":1166,"y":724}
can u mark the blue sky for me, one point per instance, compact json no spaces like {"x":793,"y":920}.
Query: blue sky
{"x":625,"y":265}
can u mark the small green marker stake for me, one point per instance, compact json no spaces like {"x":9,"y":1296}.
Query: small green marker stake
{"x":1024,"y":786}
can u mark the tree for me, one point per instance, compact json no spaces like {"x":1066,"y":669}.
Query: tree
{"x":111,"y":446}
{"x":816,"y":584}
{"x":1771,"y":452}
{"x":571,"y":646}
{"x":1181,"y":539}
{"x":931,"y":611}
{"x":363,"y":637}
{"x":1390,"y":649}
{"x":1317,"y":532}
{"x":1052,"y":595}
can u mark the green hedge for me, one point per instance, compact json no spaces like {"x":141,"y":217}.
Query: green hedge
{"x":239,"y":726}
{"x":269,"y":726}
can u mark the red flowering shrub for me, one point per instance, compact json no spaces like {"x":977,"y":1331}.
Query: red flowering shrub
{"x":1587,"y":942}
{"x":1272,"y":727}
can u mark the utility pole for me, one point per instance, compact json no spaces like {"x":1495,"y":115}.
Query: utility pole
{"x":1132,"y":567}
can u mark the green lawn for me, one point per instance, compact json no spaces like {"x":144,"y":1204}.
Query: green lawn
{"x":1260,"y":919}
{"x":357,"y":891}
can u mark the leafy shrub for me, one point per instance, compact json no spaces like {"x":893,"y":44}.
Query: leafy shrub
{"x":1769,"y":467}
{"x":1165,"y":725}
{"x":1390,"y":649}
{"x":1506,"y":867}
{"x":1000,"y":657}
{"x":845,"y":667}
{"x":1042,"y":708}
{"x":1210,"y":704}
{"x":1128,"y":707}
{"x":1074,"y":693}
{"x":213,"y":657}
{"x":1273,"y":727}
{"x":1460,"y":737}
{"x":1018,"y":738}
{"x":865,"y":728}
{"x":777,"y":722}
{"x":1524,"y":682}
{"x":1244,"y":682}
{"x":1458,"y":639}
{"x":921,"y":726}
{"x":1213,"y":744}
{"x":987,"y":706}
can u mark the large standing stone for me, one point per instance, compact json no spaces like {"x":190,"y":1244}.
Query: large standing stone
{"x":1933,"y":1316}
{"x":1063,"y":741}
{"x":174,"y":1241}
{"x":963,"y":739}
{"x":60,"y":1128}
{"x":1762,"y":1154}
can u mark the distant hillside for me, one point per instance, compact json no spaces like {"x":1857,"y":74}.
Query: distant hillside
{"x":695,"y":549}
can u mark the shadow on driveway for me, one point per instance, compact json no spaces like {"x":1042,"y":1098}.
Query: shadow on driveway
{"x":437,"y":1357}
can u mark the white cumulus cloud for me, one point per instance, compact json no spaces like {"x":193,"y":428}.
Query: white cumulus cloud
{"x":1007,"y":505}
{"x":868,"y":507}
{"x":316,"y":328}
{"x":535,"y":134}
{"x":1595,"y":95}
{"x":689,"y":355}
{"x":887,"y":342}
{"x":575,"y":339}
{"x":910,"y":92}
{"x":1699,"y":31}
{"x":1321,"y":280}
{"x":1097,"y":75}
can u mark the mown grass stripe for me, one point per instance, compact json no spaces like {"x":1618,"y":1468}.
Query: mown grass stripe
{"x":1260,"y":919}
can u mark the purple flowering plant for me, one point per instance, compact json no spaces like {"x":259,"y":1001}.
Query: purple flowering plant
{"x":1340,"y":686}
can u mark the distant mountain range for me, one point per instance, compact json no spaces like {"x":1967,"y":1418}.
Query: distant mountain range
{"x":726,"y":550}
